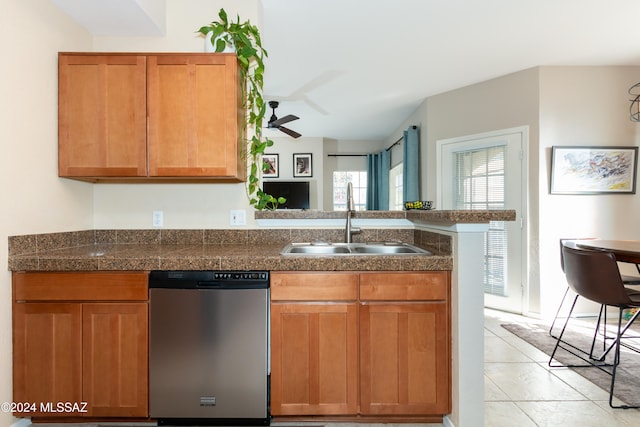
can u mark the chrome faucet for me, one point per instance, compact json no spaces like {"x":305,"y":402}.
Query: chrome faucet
{"x":349,"y":231}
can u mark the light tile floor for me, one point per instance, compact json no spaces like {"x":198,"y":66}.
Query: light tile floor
{"x":521,"y":390}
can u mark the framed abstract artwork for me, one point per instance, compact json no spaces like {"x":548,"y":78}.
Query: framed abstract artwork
{"x":593,"y":170}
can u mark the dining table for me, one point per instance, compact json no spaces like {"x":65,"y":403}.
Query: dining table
{"x":624,"y":250}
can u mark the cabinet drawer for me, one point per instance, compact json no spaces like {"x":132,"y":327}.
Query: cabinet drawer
{"x":89,"y":286}
{"x":403,"y":286}
{"x":290,"y":286}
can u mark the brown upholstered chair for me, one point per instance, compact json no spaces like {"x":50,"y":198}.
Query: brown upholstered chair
{"x":594,"y":275}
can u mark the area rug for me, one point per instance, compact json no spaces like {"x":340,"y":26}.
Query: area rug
{"x":627,"y":387}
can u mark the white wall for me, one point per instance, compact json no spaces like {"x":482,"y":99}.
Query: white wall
{"x":582,"y":106}
{"x":34,"y":199}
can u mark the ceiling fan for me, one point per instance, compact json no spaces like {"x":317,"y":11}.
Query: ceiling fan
{"x":276,"y":123}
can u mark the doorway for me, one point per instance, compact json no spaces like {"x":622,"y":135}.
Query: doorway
{"x":489,"y":171}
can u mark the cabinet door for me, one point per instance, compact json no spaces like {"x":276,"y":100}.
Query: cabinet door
{"x":47,"y":355}
{"x":102,"y":115}
{"x":314,"y":358}
{"x":194,"y":116}
{"x":115,"y":356}
{"x":404,"y":358}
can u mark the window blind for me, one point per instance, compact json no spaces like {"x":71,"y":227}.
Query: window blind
{"x":479,"y":185}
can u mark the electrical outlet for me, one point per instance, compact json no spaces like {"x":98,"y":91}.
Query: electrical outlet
{"x":238,"y":217}
{"x":157,"y":218}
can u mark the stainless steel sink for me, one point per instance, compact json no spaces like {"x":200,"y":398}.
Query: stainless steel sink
{"x":386,"y":250}
{"x":378,"y":248}
{"x":309,"y":249}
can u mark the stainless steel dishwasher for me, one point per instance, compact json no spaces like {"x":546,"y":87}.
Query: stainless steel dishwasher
{"x":208,"y":347}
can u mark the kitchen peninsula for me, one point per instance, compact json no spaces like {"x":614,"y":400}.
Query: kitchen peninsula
{"x":454,"y":237}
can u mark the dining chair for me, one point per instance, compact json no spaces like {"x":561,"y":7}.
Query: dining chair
{"x":626,"y":279}
{"x":594,"y":275}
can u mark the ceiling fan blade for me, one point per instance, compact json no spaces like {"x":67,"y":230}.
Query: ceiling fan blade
{"x":289,"y":132}
{"x":283,"y":120}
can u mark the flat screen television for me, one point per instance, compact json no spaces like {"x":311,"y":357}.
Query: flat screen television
{"x":296,"y":193}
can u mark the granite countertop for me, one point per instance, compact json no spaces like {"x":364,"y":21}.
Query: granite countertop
{"x":133,"y":257}
{"x":434,"y":216}
{"x":249,"y":249}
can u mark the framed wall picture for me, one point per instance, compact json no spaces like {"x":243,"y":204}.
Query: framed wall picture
{"x":302,"y":165}
{"x":271,"y":166}
{"x":593,"y":170}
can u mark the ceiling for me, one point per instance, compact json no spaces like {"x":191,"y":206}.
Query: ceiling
{"x":355,"y":70}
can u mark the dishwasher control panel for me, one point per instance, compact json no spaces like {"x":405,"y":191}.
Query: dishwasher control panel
{"x":194,"y":279}
{"x":241,"y":275}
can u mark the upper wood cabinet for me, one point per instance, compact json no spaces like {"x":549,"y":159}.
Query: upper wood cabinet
{"x":150,"y":116}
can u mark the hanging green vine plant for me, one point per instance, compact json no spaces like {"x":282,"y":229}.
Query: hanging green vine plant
{"x":248,"y":45}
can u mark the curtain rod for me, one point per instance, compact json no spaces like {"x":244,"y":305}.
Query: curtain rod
{"x":400,"y":139}
{"x":345,"y":155}
{"x":395,"y":143}
{"x":362,"y":155}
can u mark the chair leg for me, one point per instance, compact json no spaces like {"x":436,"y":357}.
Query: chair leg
{"x":558,"y":313}
{"x":616,"y":362}
{"x":606,"y":349}
{"x":603,"y":310}
{"x":585,"y":356}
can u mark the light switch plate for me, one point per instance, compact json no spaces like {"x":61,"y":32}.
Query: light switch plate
{"x":238,"y":217}
{"x":158,"y":218}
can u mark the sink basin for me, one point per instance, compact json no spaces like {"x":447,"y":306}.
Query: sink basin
{"x":316,"y":250}
{"x":382,"y":248}
{"x":386,"y":250}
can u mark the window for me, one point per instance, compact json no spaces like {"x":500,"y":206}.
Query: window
{"x":396,"y":202}
{"x":479,"y":184}
{"x":359,"y":181}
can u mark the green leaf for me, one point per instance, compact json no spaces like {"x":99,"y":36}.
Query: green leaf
{"x":220,"y":45}
{"x":217,"y":31}
{"x":244,"y":60}
{"x":223,"y":16}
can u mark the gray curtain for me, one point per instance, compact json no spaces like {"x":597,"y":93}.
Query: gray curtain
{"x":378,"y":165}
{"x":411,"y":165}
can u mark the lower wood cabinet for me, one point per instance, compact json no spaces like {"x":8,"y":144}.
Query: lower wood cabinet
{"x":115,"y":359}
{"x":47,"y":355}
{"x":314,"y":344}
{"x":398,"y":323}
{"x":402,"y":368}
{"x":80,"y":350}
{"x":405,"y":343}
